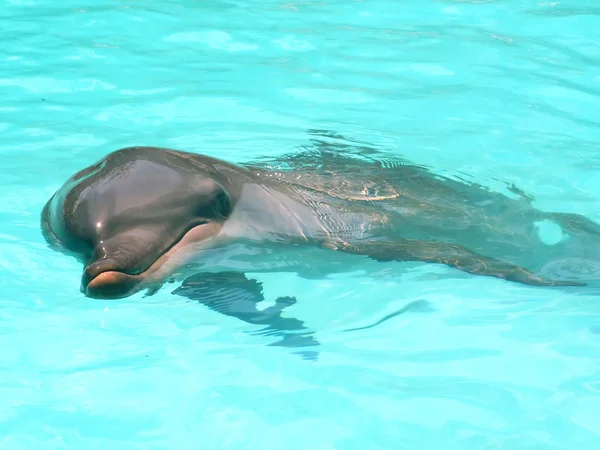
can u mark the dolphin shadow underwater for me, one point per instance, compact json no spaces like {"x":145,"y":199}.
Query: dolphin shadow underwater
{"x":144,"y":216}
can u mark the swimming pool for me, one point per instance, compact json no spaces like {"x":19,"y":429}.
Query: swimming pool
{"x":504,"y":91}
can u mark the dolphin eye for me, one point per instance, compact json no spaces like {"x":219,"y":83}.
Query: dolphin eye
{"x":222,"y":208}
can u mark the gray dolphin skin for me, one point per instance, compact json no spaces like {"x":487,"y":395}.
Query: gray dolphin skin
{"x":143,"y":216}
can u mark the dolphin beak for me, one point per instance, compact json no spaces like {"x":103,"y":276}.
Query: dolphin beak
{"x":112,"y":285}
{"x":101,"y":280}
{"x":106,"y":278}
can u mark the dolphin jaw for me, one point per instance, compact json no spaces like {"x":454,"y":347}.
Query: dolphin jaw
{"x":113,"y":284}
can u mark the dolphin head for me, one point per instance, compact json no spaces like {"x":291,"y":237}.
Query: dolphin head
{"x":124,"y":216}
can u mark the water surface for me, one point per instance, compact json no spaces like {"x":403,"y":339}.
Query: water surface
{"x":504,"y":91}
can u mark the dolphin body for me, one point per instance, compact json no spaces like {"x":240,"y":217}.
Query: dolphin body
{"x":142,"y":216}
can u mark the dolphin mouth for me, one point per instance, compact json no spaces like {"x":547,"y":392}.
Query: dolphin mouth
{"x":102,"y":281}
{"x":112,"y":285}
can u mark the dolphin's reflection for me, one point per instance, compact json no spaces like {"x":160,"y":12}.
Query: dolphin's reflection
{"x":233,"y":294}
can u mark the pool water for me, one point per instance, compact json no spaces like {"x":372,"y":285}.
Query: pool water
{"x":504,"y":91}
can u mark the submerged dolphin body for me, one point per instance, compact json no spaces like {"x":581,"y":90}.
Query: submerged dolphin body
{"x":144,"y":215}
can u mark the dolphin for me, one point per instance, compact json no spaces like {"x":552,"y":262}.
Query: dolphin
{"x":142,"y":216}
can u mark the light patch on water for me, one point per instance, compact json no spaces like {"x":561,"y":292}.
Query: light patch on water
{"x":214,"y":38}
{"x":451,"y":10}
{"x":432,"y":69}
{"x":43,"y":84}
{"x":328,"y":95}
{"x":292,"y":43}
{"x":549,"y":232}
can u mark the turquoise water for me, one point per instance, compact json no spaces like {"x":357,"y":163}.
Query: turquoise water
{"x":505,"y":91}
